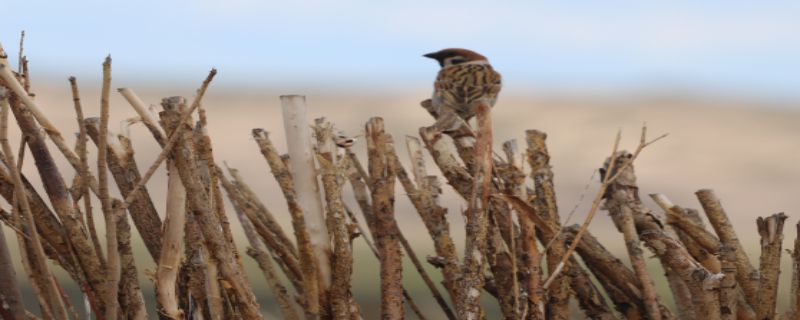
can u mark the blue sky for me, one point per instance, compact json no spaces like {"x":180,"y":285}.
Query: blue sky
{"x":722,"y":47}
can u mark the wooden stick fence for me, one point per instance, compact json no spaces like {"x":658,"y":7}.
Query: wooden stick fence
{"x":513,"y":225}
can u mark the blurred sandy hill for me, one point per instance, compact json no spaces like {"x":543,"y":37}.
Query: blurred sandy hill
{"x":746,"y":150}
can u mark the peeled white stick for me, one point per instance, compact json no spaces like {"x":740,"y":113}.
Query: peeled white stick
{"x":140,"y":108}
{"x":16,"y":87}
{"x":304,"y":173}
{"x":169,"y":261}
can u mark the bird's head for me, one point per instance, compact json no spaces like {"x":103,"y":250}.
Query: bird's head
{"x":454,"y":56}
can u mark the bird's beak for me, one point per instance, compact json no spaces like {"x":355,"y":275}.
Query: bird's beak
{"x":432,"y":55}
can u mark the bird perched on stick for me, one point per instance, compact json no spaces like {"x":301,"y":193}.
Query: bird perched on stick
{"x":465,"y":81}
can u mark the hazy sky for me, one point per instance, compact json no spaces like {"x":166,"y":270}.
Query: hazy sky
{"x":741,"y":47}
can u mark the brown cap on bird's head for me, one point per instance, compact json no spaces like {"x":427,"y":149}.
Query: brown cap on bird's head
{"x":455,"y":56}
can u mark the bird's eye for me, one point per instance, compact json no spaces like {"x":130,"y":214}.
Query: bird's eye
{"x":458,"y":60}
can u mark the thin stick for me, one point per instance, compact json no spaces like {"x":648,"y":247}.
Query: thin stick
{"x":632,"y":244}
{"x":84,"y":172}
{"x":21,"y":56}
{"x":112,"y":271}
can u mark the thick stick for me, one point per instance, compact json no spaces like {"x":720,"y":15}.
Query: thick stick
{"x":728,"y":289}
{"x":746,"y":275}
{"x":545,"y":207}
{"x":624,"y":222}
{"x":123,"y":167}
{"x":477,"y":220}
{"x":771,"y":231}
{"x":382,"y":178}
{"x":130,"y":292}
{"x":794,"y":310}
{"x":333,"y":170}
{"x":308,"y":260}
{"x":356,"y":174}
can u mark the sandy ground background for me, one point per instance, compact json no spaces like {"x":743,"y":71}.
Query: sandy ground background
{"x":748,"y":151}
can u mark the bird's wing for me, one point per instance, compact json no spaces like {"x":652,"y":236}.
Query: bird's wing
{"x":465,"y":84}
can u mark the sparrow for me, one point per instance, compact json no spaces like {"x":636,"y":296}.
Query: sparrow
{"x":465,"y":80}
